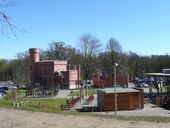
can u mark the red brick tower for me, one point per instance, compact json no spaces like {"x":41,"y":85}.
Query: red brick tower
{"x":34,"y":57}
{"x":78,"y":70}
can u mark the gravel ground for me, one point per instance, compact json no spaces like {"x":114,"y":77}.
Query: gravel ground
{"x":10,"y":118}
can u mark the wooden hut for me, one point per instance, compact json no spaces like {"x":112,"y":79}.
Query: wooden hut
{"x":127,"y":99}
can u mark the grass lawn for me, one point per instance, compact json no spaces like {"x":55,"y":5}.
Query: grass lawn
{"x":77,"y":92}
{"x":54,"y":106}
{"x":165,"y":88}
{"x":44,"y":105}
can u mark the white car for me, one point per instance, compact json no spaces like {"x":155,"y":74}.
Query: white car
{"x":145,"y":85}
{"x":1,"y":94}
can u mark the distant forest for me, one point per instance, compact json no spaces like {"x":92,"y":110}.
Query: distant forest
{"x":90,"y":54}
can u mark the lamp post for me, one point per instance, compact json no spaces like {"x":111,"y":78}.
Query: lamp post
{"x":114,"y":66}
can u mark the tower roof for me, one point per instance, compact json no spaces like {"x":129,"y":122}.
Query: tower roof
{"x":53,"y":61}
{"x":33,"y":50}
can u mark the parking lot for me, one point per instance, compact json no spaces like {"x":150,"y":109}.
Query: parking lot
{"x":5,"y":87}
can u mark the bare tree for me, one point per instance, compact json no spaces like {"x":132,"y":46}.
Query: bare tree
{"x":114,"y":49}
{"x":114,"y":46}
{"x":5,"y":23}
{"x":90,"y":46}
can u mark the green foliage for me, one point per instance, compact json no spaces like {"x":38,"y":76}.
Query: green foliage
{"x":77,"y":93}
{"x":20,"y":69}
{"x":143,"y":64}
{"x":15,"y":70}
{"x":5,"y":71}
{"x":5,"y":103}
{"x":11,"y":95}
{"x":33,"y":104}
{"x":44,"y":105}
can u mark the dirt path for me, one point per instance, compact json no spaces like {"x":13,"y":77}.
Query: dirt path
{"x":23,"y":119}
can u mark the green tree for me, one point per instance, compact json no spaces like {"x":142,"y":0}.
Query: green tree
{"x":5,"y":71}
{"x":20,"y":69}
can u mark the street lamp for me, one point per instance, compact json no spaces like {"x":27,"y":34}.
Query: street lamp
{"x":114,"y":66}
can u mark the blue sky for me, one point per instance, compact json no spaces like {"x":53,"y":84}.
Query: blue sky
{"x":140,"y":26}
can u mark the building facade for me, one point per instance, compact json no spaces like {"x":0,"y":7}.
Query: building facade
{"x":42,"y":72}
{"x":104,"y":78}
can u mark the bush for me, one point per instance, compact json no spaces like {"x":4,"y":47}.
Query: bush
{"x":11,"y":95}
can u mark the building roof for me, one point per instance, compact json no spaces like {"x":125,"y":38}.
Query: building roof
{"x":52,"y":61}
{"x":156,"y":74}
{"x":119,"y":90}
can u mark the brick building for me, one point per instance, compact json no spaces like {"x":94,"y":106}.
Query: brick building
{"x":42,"y":72}
{"x":103,"y":78}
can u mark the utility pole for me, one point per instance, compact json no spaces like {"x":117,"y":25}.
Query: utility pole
{"x":114,"y":66}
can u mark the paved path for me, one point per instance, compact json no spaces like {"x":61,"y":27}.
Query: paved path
{"x":63,"y":94}
{"x":131,"y":84}
{"x":149,"y":110}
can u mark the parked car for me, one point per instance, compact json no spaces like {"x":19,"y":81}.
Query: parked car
{"x":1,"y":94}
{"x":11,"y":86}
{"x":89,"y":81}
{"x":145,"y":85}
{"x":3,"y":90}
